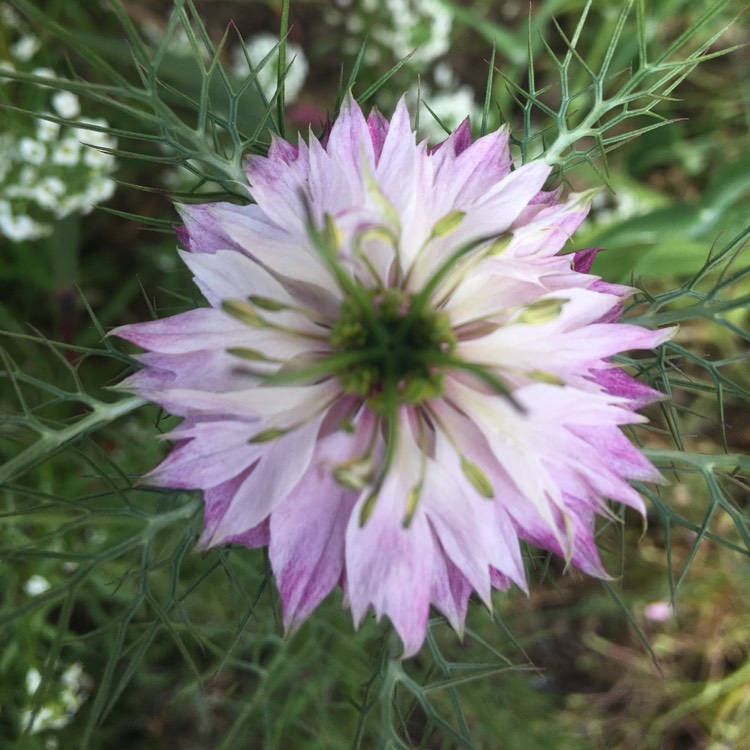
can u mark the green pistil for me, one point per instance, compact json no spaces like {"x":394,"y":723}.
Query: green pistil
{"x":408,"y":355}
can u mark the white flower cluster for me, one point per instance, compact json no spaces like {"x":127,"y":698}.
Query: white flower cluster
{"x":397,"y":27}
{"x":59,"y":710}
{"x":393,"y":29}
{"x":53,"y":170}
{"x":257,"y":48}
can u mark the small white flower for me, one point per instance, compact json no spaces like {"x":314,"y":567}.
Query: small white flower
{"x":66,"y":104}
{"x":59,"y":709}
{"x":31,"y":151}
{"x":99,"y":160}
{"x":67,"y":152}
{"x":27,"y":176}
{"x":354,"y":24}
{"x":100,"y":190}
{"x":9,"y":17}
{"x":47,"y":130}
{"x":44,"y":72}
{"x":68,"y":204}
{"x":257,"y":48}
{"x":33,"y":680}
{"x":71,"y":677}
{"x":18,"y":228}
{"x":36,"y":585}
{"x":6,"y":65}
{"x":25,"y":48}
{"x":96,"y":138}
{"x":444,"y":76}
{"x":47,"y":193}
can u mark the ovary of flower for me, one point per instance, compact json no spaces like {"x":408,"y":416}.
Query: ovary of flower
{"x":399,"y":318}
{"x":66,"y":104}
{"x":31,"y":151}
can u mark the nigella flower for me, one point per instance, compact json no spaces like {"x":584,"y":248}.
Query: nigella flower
{"x":399,"y":376}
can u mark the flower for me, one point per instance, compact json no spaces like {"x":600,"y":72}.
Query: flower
{"x":255,"y":51}
{"x":399,"y":376}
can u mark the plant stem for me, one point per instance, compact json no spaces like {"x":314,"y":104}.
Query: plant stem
{"x":53,"y":441}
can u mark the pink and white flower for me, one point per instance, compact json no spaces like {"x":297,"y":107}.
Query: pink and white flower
{"x":399,"y":376}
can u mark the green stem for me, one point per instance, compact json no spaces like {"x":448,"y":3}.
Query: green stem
{"x":52,"y":441}
{"x":283,"y":32}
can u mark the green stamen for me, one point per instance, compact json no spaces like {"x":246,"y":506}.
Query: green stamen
{"x":407,"y":354}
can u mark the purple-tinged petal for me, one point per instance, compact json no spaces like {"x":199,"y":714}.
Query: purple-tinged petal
{"x":463,"y":178}
{"x":584,"y":259}
{"x":268,"y":483}
{"x":349,"y":141}
{"x":378,"y":127}
{"x":450,"y":591}
{"x":205,"y":450}
{"x":459,"y":140}
{"x":389,"y":566}
{"x":617,"y":452}
{"x":281,"y":150}
{"x":309,"y":526}
{"x":202,"y":232}
{"x":191,"y":331}
{"x":279,"y":408}
{"x":617,"y":382}
{"x":229,"y":275}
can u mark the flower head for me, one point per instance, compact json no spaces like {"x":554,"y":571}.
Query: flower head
{"x":399,"y":376}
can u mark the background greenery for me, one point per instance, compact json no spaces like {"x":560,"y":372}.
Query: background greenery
{"x":185,"y":650}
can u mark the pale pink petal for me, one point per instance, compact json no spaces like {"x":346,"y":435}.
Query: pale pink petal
{"x":269,"y":481}
{"x":205,"y":450}
{"x":308,"y":528}
{"x":389,"y":566}
{"x":450,"y":591}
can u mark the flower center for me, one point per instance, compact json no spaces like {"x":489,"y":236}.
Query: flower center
{"x":398,"y":348}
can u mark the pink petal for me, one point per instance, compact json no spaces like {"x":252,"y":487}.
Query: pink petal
{"x":450,"y":591}
{"x":390,"y":567}
{"x":308,"y":529}
{"x":268,"y":483}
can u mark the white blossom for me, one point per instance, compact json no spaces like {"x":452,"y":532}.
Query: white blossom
{"x":26,"y":47}
{"x":66,"y":104}
{"x":257,"y":48}
{"x":33,"y":587}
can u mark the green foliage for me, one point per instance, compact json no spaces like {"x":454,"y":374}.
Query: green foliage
{"x":588,"y":108}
